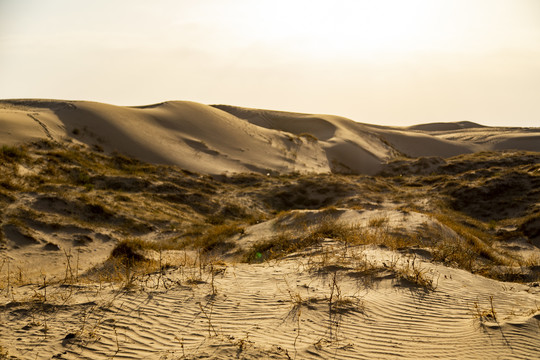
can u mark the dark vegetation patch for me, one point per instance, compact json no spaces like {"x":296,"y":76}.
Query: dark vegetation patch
{"x":12,"y":153}
{"x":500,"y":196}
{"x":531,"y":226}
{"x":308,"y":192}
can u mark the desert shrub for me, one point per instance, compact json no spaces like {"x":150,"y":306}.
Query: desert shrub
{"x":125,"y":250}
{"x":126,"y":263}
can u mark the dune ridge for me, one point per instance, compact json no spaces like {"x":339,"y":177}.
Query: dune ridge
{"x":223,"y":138}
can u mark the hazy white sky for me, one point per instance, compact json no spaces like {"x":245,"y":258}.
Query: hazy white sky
{"x":392,"y":62}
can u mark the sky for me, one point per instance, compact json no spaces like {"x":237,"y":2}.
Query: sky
{"x":388,"y":62}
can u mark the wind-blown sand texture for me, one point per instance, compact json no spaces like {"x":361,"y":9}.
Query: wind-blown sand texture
{"x":186,"y":231}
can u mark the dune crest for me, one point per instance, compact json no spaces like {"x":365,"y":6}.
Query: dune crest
{"x":222,"y":138}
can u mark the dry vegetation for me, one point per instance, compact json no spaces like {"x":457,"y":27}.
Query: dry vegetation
{"x":479,"y":201}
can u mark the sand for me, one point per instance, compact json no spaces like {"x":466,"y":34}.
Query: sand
{"x":228,"y":139}
{"x":328,"y":301}
{"x":281,"y":309}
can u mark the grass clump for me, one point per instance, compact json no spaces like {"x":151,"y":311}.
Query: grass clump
{"x":414,"y":274}
{"x":285,"y":243}
{"x":484,"y":315}
{"x":475,"y":239}
{"x":126,"y":263}
{"x":12,"y":153}
{"x":128,"y":251}
{"x":278,"y":246}
{"x":454,"y":252}
{"x":217,"y":238}
{"x":331,"y":229}
{"x":380,"y":237}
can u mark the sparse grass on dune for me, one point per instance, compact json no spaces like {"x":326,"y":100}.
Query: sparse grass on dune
{"x":70,"y":186}
{"x":172,"y":239}
{"x":216,"y":238}
{"x":279,"y":246}
{"x":127,"y":262}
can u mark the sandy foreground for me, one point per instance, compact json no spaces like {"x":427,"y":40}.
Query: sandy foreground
{"x":279,"y":310}
{"x":366,"y":281}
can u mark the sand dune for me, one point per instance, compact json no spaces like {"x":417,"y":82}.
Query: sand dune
{"x":280,"y":310}
{"x":260,"y":248}
{"x":460,"y":125}
{"x":218,"y":139}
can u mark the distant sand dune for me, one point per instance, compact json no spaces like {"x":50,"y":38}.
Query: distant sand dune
{"x":460,"y":125}
{"x":222,"y":138}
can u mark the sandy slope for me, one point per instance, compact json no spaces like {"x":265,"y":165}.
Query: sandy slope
{"x":218,"y":139}
{"x":330,"y":301}
{"x":281,"y":310}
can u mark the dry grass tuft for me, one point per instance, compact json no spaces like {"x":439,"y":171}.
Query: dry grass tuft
{"x":217,"y":238}
{"x":277,"y":247}
{"x":485,"y":315}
